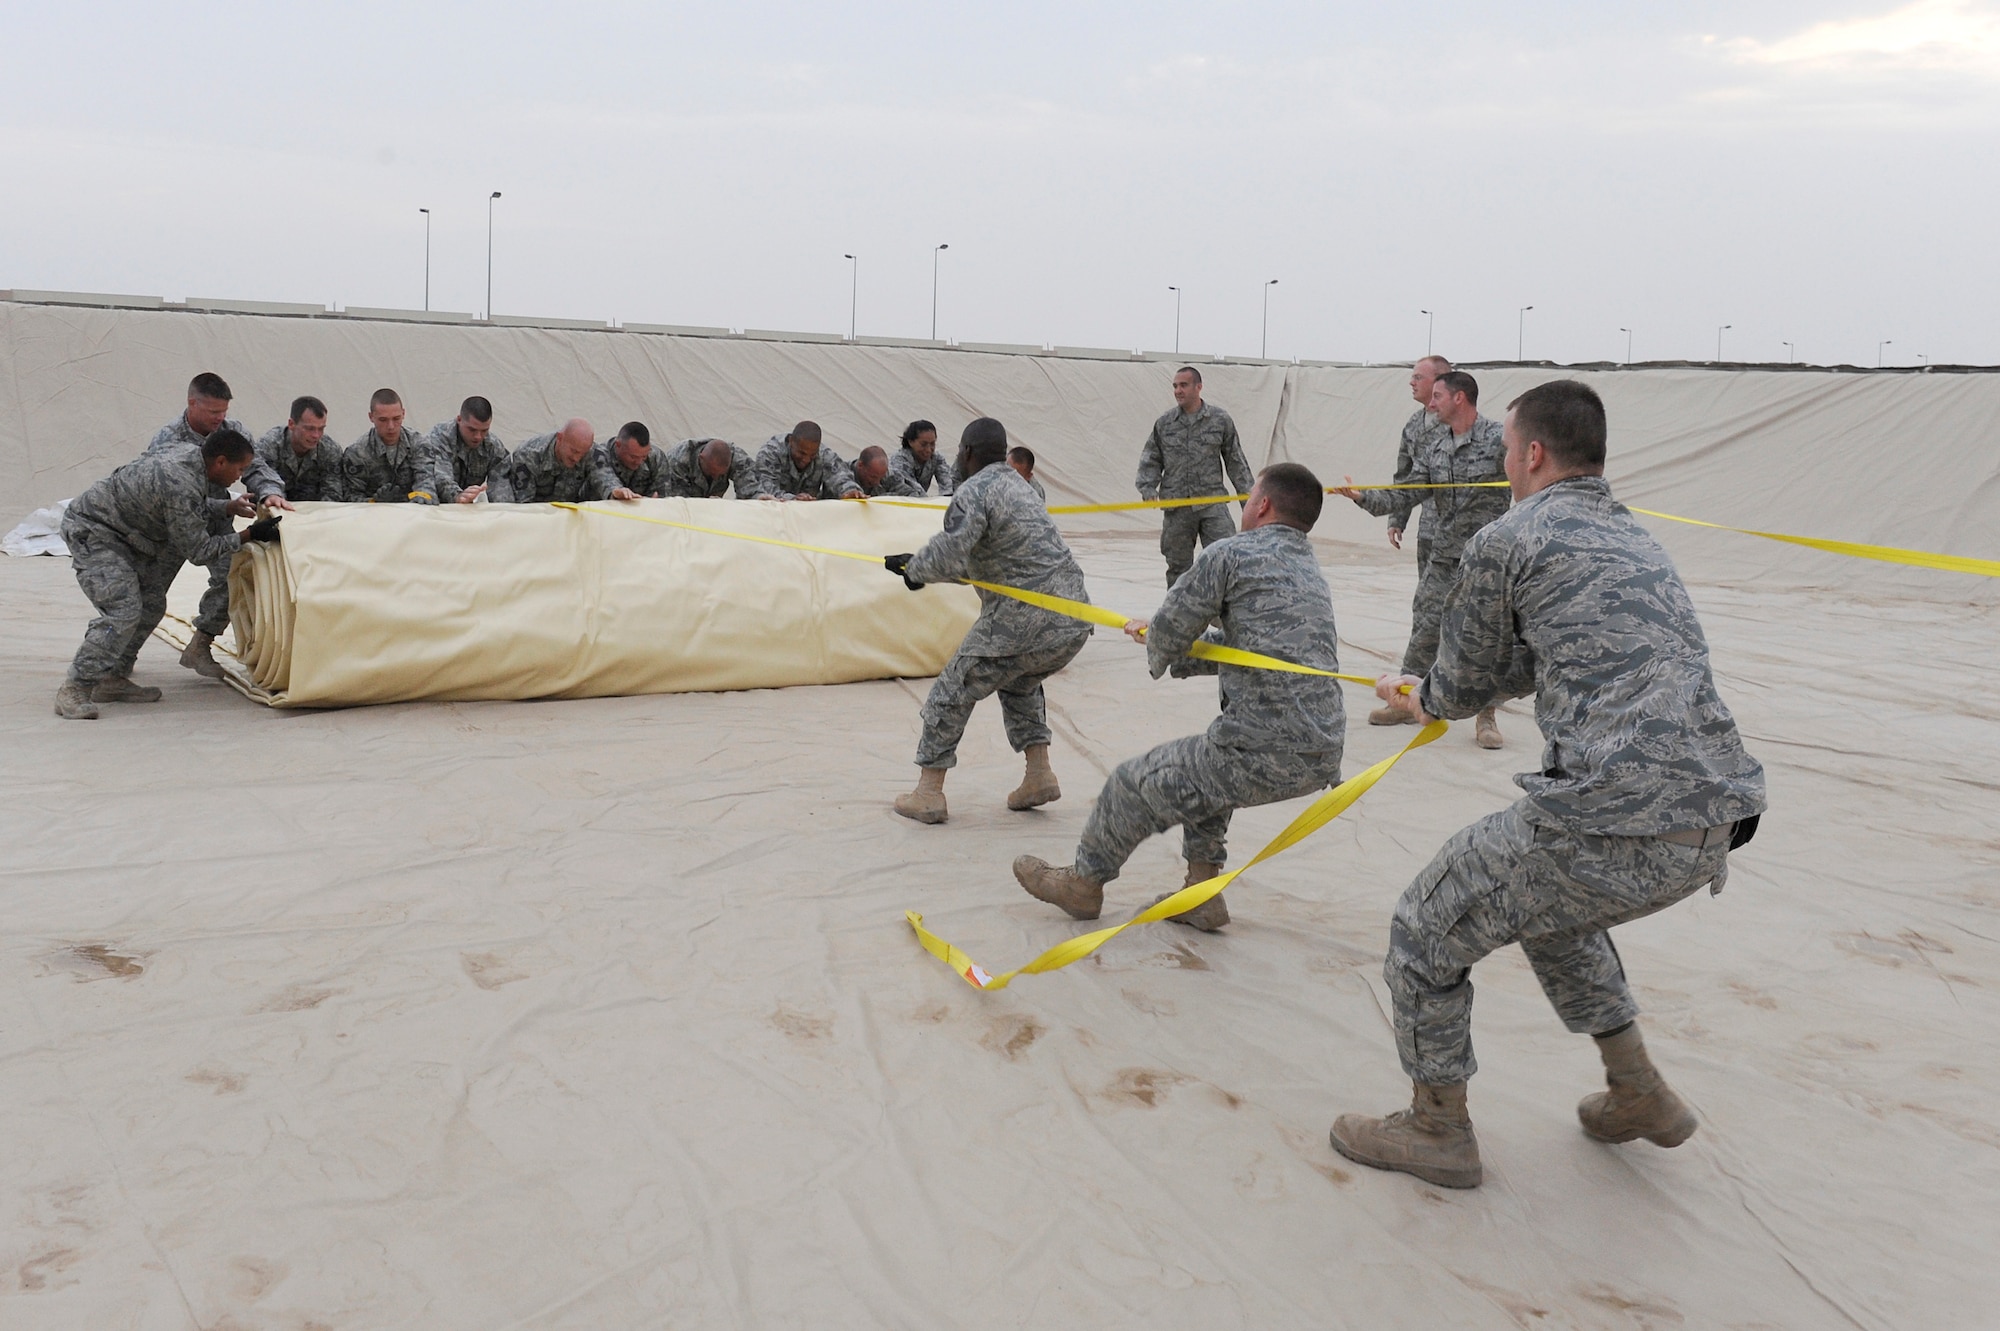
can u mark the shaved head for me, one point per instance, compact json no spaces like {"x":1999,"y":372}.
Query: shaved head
{"x":715,"y":458}
{"x":574,"y":440}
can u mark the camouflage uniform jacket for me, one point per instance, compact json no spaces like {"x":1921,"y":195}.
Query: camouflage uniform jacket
{"x":313,"y":477}
{"x":258,"y":482}
{"x":158,"y":506}
{"x":539,"y":477}
{"x":904,"y":462}
{"x":997,"y":531}
{"x":1264,"y":592}
{"x":684,"y":478}
{"x":895,"y":485}
{"x":1420,"y":433}
{"x":825,"y":478}
{"x":648,"y":480}
{"x":1567,"y":598}
{"x":457,"y":465}
{"x":1187,"y":453}
{"x":1478,"y":455}
{"x":369,"y":466}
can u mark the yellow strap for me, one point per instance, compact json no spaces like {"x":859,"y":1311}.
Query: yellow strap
{"x":1317,"y":815}
{"x":1888,"y":554}
{"x":1201,"y":500}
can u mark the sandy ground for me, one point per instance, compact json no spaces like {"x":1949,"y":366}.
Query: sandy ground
{"x":604,"y":1014}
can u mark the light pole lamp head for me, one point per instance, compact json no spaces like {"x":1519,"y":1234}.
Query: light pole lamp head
{"x":495,"y":194}
{"x":847,"y":256}
{"x":944,"y":247}
{"x":425,"y":211}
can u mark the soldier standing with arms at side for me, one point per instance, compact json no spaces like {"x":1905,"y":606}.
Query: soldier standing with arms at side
{"x":1185,"y":457}
{"x":1643,"y":791}
{"x":304,"y":460}
{"x":468,"y":459}
{"x":995,"y":530}
{"x":207,"y":411}
{"x":128,"y":536}
{"x":1466,"y":448}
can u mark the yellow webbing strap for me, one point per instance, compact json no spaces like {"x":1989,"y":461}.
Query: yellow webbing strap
{"x":1317,"y":815}
{"x":1134,"y":504}
{"x":1888,"y":554}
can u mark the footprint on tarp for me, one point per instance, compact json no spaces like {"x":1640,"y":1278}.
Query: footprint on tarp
{"x":96,"y":961}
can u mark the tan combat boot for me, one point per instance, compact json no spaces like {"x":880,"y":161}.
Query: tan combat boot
{"x":1211,"y":914}
{"x":120,"y":688}
{"x":926,"y":802}
{"x":1039,"y":785}
{"x":200,"y":657}
{"x":1486,"y":730}
{"x":1432,"y":1139}
{"x":1065,"y":887}
{"x":73,"y":701}
{"x":1386,"y":715}
{"x":1639,"y":1103}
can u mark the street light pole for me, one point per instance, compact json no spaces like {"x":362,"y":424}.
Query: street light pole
{"x":427,"y":257}
{"x":489,"y":254}
{"x":1885,"y":342}
{"x":934,"y":287}
{"x":1521,"y":334}
{"x":1791,"y":354}
{"x":1430,"y":323}
{"x":1719,"y":331}
{"x":1628,"y":344}
{"x":1264,"y":343}
{"x":853,"y":296}
{"x":1177,"y":319}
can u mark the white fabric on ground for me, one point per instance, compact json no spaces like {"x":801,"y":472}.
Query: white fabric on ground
{"x":40,"y":533}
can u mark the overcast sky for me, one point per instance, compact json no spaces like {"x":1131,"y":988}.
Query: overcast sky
{"x":1822,"y":174}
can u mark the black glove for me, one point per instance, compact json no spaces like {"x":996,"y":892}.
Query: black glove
{"x":263,"y":529}
{"x":900,"y":565}
{"x":392,"y":493}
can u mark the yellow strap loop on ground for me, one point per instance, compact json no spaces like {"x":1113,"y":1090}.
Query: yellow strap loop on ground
{"x":1887,"y":554}
{"x":1317,"y":815}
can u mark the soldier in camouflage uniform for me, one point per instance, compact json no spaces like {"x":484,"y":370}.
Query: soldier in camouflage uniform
{"x":878,"y":480}
{"x":708,"y":468}
{"x":304,"y":460}
{"x":468,"y":460}
{"x":1185,"y":457}
{"x":995,"y":531}
{"x":560,"y":467}
{"x":1419,"y":433}
{"x":1466,"y":448}
{"x":1644,"y":789}
{"x":1278,"y":736}
{"x":128,"y":536}
{"x":639,"y":469}
{"x":389,"y":464}
{"x":1023,"y":461}
{"x":794,"y":466}
{"x":918,"y":462}
{"x":208,"y":410}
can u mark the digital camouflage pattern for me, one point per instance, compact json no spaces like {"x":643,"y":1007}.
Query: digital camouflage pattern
{"x":212,"y":615}
{"x":895,"y":485}
{"x":965,"y":680}
{"x":1181,"y":527}
{"x":258,"y":482}
{"x":1399,"y":506}
{"x":825,"y":477}
{"x":684,"y":478}
{"x":457,"y":465}
{"x":648,"y":480}
{"x":370,"y":468}
{"x":128,"y":536}
{"x":1568,"y":598}
{"x":1186,"y":457}
{"x":537,"y":475}
{"x":904,"y":462}
{"x":313,"y":477}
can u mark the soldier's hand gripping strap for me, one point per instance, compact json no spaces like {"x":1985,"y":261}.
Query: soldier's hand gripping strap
{"x":899,"y":565}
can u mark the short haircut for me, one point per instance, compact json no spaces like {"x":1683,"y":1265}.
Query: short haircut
{"x":210,"y":386}
{"x":304,"y":406}
{"x":915,"y":428}
{"x":636,"y":430}
{"x":478,"y":408}
{"x":805,"y":432}
{"x":1189,"y":369}
{"x":1441,"y":365}
{"x":1294,"y":492}
{"x":1024,"y":456}
{"x":227,"y":444}
{"x":872,"y":453}
{"x":1566,"y":418}
{"x":384,"y":397}
{"x":1458,"y":381}
{"x":983,"y":443}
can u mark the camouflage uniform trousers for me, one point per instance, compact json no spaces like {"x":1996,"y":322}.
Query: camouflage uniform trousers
{"x":1434,"y":579}
{"x":1194,"y":784}
{"x":1180,"y":526}
{"x":212,"y":616}
{"x":130,"y":593}
{"x":1504,"y":880}
{"x":967,"y":679}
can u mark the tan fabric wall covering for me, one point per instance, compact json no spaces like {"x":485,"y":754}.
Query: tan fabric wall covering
{"x":373,"y":604}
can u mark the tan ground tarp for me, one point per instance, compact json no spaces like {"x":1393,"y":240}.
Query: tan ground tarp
{"x":602,"y":1013}
{"x":389,"y":603}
